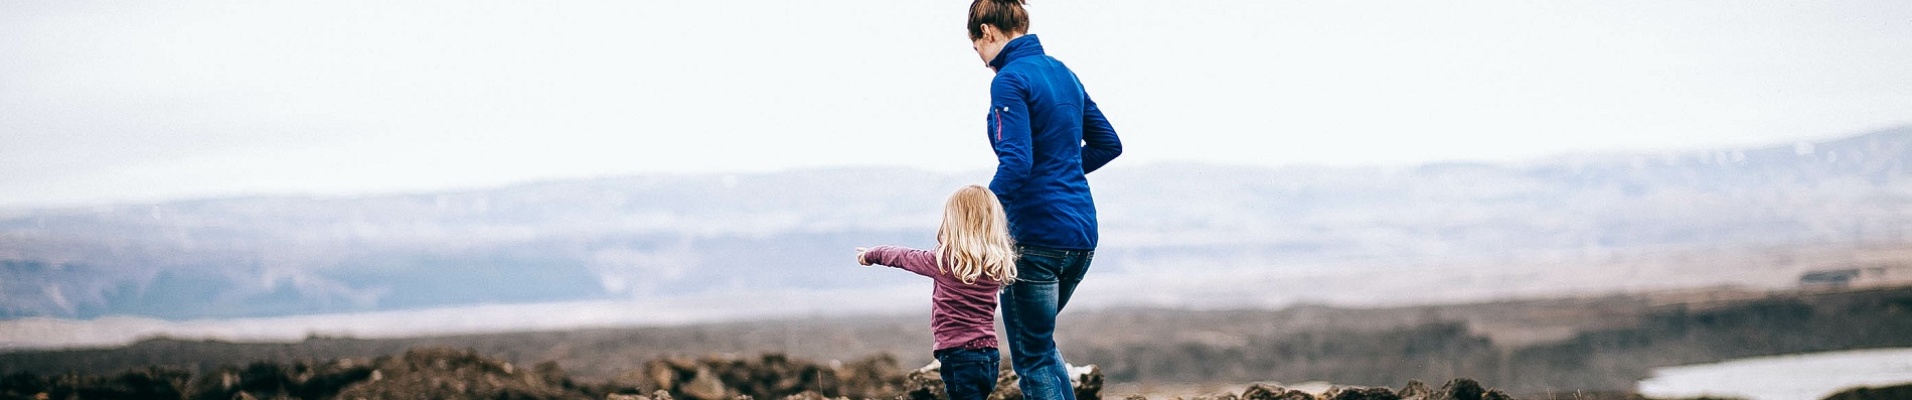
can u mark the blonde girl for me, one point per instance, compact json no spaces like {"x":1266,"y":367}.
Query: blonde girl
{"x":973,"y":259}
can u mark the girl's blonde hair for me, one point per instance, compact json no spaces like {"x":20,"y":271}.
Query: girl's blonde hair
{"x":974,"y":238}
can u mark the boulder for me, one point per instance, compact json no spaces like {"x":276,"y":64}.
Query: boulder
{"x":1872,"y":393}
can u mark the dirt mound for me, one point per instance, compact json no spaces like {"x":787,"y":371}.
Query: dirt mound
{"x":303,"y":380}
{"x":438,"y":373}
{"x":770,"y":376}
{"x":147,"y":383}
{"x":300,"y":379}
{"x":442,"y":373}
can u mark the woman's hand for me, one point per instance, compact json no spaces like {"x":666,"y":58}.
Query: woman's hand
{"x":860,"y":251}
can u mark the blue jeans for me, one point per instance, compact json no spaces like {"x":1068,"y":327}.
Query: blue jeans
{"x":969,"y":374}
{"x":1045,"y":278}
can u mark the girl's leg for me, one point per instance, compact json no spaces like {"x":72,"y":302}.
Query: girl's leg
{"x":969,"y":374}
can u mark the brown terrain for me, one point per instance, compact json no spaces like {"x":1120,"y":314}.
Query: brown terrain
{"x":445,"y":373}
{"x":1594,"y":347}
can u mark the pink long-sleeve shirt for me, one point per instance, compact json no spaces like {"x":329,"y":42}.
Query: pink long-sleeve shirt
{"x":962,"y":315}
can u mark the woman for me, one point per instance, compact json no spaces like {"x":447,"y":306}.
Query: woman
{"x":1047,"y":135}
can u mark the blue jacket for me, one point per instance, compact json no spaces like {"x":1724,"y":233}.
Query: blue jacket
{"x":1048,"y":135}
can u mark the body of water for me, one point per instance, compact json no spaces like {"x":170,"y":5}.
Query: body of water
{"x":1789,"y":377}
{"x":54,"y":333}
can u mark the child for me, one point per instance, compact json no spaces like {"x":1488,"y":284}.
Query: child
{"x":974,"y":257}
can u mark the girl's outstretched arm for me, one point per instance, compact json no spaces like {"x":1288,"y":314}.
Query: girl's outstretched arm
{"x":922,"y":262}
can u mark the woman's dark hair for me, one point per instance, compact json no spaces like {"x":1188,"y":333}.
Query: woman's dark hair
{"x":1006,"y":15}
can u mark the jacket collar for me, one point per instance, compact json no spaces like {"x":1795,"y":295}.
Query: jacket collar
{"x":1024,"y":46}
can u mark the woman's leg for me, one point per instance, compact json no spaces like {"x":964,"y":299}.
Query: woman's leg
{"x":1029,"y":309}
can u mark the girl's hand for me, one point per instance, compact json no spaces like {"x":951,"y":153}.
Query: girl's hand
{"x":859,"y":256}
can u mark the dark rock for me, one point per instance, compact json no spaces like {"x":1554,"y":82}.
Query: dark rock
{"x":657,"y":395}
{"x":1468,"y":389}
{"x":1087,"y":381}
{"x":809,"y":395}
{"x":1898,"y":392}
{"x":155,"y":383}
{"x":1415,"y":390}
{"x":1461,"y":389}
{"x":873,"y":377}
{"x":704,"y":385}
{"x":925,"y":384}
{"x":146,"y":383}
{"x":1271,"y":392}
{"x":1262,"y":392}
{"x":1366,"y":394}
{"x":1591,"y":395}
{"x":21,"y":385}
{"x":1007,"y":384}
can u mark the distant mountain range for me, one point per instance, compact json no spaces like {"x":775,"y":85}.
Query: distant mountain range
{"x":688,"y":234}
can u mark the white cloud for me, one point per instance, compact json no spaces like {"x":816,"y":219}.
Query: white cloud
{"x":108,"y":101}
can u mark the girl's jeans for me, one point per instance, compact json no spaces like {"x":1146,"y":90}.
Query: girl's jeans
{"x":969,"y":374}
{"x":1045,"y":278}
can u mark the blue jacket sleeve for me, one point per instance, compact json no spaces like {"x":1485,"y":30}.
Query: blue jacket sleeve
{"x":1099,"y":143}
{"x":1009,"y":135}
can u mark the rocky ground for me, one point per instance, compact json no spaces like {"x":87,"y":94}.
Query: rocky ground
{"x":446,"y":373}
{"x":1529,"y":348}
{"x":1181,"y":355}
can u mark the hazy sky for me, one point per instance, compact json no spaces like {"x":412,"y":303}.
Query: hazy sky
{"x":118,"y":101}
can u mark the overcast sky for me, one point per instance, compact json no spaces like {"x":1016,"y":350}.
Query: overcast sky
{"x":129,"y":101}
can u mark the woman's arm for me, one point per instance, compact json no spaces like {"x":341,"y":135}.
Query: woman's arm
{"x":1009,"y":134}
{"x":1099,"y":143}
